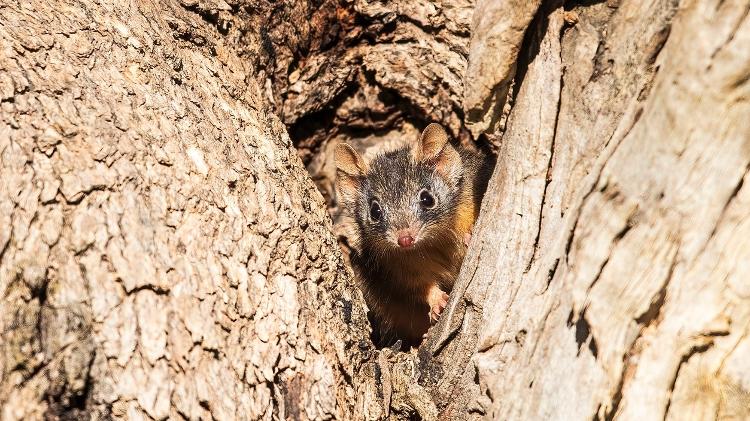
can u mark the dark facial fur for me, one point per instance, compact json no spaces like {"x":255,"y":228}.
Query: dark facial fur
{"x":394,"y":181}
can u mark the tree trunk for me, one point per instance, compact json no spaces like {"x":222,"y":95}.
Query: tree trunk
{"x":164,"y":254}
{"x":607,"y":280}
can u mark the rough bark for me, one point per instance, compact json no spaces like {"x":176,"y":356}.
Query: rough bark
{"x":163,"y":253}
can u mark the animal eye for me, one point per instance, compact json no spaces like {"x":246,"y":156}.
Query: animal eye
{"x":426,"y":199}
{"x":375,"y":211}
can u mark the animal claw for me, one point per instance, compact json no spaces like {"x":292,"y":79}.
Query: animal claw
{"x":437,"y":306}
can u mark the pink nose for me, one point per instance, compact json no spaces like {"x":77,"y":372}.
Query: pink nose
{"x":405,"y":240}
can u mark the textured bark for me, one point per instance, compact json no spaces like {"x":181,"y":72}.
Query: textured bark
{"x":498,"y":30}
{"x":608,"y":280}
{"x":163,"y":253}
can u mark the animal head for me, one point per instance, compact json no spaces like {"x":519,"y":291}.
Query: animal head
{"x":404,"y":199}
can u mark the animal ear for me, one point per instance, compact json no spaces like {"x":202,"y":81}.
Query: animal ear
{"x":348,"y":161}
{"x":433,"y":146}
{"x":431,"y":143}
{"x":350,"y":168}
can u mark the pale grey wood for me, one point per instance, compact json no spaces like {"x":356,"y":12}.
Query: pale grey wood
{"x":607,"y":279}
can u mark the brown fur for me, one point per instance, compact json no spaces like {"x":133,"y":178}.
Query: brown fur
{"x":405,"y":288}
{"x":402,"y":302}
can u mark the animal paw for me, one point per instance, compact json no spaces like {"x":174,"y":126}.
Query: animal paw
{"x":438,"y":301}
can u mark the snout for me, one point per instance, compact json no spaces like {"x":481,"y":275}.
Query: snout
{"x":406,"y":238}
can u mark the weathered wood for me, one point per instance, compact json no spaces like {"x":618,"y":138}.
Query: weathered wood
{"x":497,"y":32}
{"x":607,"y":280}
